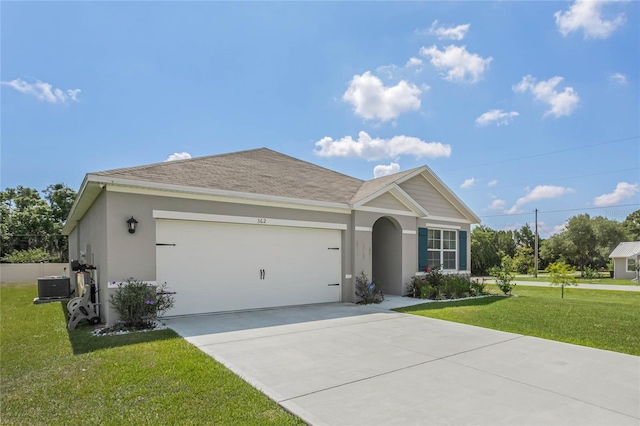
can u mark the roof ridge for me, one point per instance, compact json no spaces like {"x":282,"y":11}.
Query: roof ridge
{"x":184,"y":160}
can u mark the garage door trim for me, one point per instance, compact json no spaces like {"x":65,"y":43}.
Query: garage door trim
{"x":246,"y":220}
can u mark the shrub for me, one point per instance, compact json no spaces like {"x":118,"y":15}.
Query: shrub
{"x":503,"y":275}
{"x":139,"y":304}
{"x":438,"y":286}
{"x":562,"y":275}
{"x":34,"y":255}
{"x":367,"y":290}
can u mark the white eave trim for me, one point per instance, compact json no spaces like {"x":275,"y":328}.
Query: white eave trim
{"x":245,"y":220}
{"x":216,"y":192}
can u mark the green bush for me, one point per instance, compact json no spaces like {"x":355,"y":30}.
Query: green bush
{"x":139,"y":304}
{"x":436,"y":285}
{"x":34,"y":255}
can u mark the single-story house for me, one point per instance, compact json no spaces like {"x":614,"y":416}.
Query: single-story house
{"x":625,"y":258}
{"x":257,"y":229}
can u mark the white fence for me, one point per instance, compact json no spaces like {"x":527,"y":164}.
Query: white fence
{"x":30,"y":272}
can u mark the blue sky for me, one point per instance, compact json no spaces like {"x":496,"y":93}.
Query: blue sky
{"x":514,"y":105}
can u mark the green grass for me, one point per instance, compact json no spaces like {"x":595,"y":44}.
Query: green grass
{"x":51,"y":376}
{"x":600,"y":319}
{"x":547,"y":278}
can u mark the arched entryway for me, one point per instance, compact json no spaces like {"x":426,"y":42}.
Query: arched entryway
{"x":386,"y":256}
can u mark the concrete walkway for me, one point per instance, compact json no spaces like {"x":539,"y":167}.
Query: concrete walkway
{"x":345,"y":364}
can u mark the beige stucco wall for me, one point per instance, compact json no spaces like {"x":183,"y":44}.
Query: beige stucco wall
{"x":134,"y":255}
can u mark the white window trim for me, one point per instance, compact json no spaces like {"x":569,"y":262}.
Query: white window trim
{"x":626,"y":264}
{"x":442,"y":250}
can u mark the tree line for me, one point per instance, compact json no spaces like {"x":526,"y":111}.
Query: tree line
{"x":585,"y":243}
{"x":31,"y":223}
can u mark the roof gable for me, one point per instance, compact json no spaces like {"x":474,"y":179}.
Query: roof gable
{"x":259,"y":171}
{"x":626,"y":249}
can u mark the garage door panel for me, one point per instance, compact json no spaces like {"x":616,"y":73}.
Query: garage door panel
{"x":216,"y":267}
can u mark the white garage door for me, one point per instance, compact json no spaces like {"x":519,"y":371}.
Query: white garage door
{"x":217,"y":267}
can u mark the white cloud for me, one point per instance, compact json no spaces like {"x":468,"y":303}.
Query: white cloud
{"x":618,"y":79}
{"x":382,"y":170}
{"x":468,"y":183}
{"x":178,"y":156}
{"x":375,"y":148}
{"x":540,"y":192}
{"x":372,"y":100}
{"x":492,"y":183}
{"x":497,"y":204}
{"x":587,"y":15}
{"x":457,"y":64}
{"x":414,"y":62}
{"x":450,"y":33}
{"x":497,"y":116}
{"x":561,"y":103}
{"x":623,"y":191}
{"x":43,"y":91}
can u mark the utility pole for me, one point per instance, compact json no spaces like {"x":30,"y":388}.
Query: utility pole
{"x":535,"y":273}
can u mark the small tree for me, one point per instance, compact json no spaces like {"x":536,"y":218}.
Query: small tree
{"x":562,"y":274}
{"x":504,"y":275}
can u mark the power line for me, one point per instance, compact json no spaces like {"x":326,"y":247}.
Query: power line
{"x":557,"y":179}
{"x":563,"y":210}
{"x":544,"y":153}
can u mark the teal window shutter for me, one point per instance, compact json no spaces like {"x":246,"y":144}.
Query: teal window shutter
{"x":423,"y":235}
{"x":462,"y":251}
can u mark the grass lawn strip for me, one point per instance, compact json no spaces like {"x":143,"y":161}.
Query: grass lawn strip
{"x":599,"y":319}
{"x":51,"y":376}
{"x":547,"y":278}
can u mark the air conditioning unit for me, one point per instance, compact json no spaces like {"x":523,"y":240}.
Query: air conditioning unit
{"x":54,"y":288}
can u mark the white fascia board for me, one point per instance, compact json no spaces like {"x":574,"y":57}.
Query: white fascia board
{"x":168,"y":190}
{"x":447,"y":219}
{"x":84,"y":199}
{"x":385,"y":211}
{"x":245,"y":220}
{"x":441,"y":226}
{"x":450,"y":196}
{"x":400,"y":195}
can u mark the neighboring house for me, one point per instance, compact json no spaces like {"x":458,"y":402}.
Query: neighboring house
{"x":625,"y":258}
{"x":257,"y":229}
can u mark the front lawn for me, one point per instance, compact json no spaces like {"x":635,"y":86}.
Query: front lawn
{"x":600,"y":319}
{"x":579,"y":280}
{"x":51,"y":376}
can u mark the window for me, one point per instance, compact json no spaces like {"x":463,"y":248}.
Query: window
{"x":631,"y":265}
{"x":442,"y":245}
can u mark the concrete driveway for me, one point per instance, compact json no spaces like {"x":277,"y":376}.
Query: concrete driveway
{"x":344,"y":364}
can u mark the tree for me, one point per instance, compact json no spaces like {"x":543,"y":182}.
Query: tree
{"x":632,"y":226}
{"x":29,"y":222}
{"x":523,"y":261}
{"x":524,"y":237}
{"x":609,"y":233}
{"x":562,"y":275}
{"x":580,"y":247}
{"x":485,"y":251}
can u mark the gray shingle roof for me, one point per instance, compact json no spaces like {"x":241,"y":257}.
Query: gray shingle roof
{"x":257,"y":171}
{"x":626,"y":249}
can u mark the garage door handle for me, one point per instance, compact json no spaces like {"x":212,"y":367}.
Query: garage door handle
{"x":334,"y":248}
{"x":165,"y":244}
{"x":333,"y":284}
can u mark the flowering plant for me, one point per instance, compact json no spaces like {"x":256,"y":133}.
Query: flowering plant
{"x":367,"y":290}
{"x":139,"y":304}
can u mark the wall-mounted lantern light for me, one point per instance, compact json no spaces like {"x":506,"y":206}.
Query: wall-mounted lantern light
{"x":131,"y":224}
